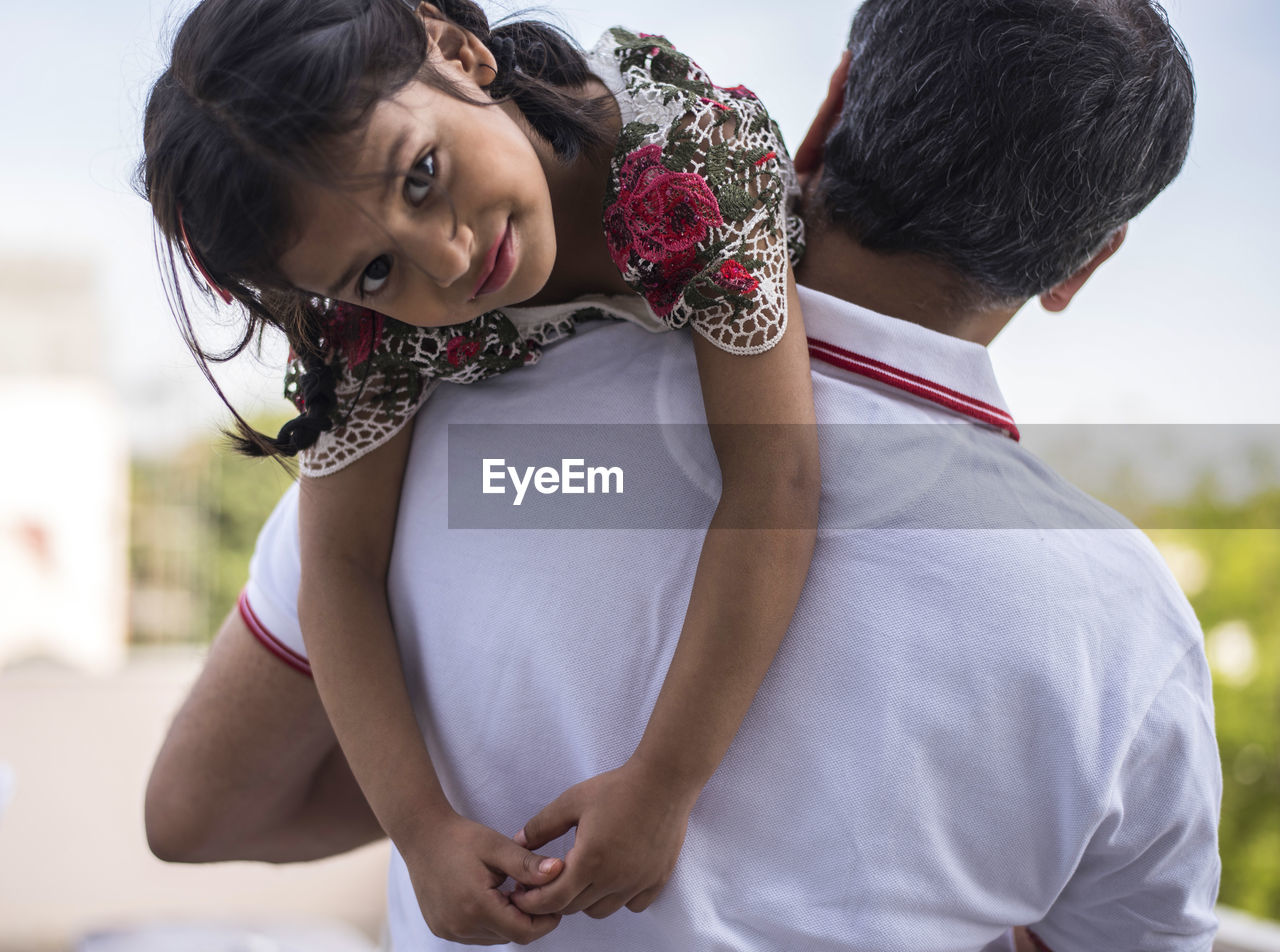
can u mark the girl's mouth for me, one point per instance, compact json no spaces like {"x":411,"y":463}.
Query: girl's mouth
{"x":499,"y":264}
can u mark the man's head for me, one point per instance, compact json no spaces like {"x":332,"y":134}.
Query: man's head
{"x":1007,"y":139}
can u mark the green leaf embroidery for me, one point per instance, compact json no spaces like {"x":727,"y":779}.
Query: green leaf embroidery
{"x":735,"y":203}
{"x":719,"y":165}
{"x":680,"y":155}
{"x":634,"y":135}
{"x":696,"y":300}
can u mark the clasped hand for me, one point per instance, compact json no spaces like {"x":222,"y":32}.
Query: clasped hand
{"x":630,"y":827}
{"x":457,"y":867}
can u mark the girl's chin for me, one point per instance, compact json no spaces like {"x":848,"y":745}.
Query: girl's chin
{"x":531,"y":287}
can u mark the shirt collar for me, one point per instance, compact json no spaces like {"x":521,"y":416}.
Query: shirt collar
{"x":952,"y":373}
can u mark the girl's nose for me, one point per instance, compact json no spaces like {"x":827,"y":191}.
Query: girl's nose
{"x":443,"y":248}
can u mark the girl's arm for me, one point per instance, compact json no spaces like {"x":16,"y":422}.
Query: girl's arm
{"x":631,"y":821}
{"x":755,"y":557}
{"x":346,"y":524}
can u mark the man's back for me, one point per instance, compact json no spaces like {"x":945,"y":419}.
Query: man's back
{"x":992,"y":707}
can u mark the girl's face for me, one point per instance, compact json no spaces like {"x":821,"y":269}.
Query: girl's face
{"x":468,"y":229}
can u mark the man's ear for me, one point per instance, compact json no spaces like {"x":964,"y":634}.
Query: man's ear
{"x":458,"y":46}
{"x":1059,"y":296}
{"x":808,"y":158}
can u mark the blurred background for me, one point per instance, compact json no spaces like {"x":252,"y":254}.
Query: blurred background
{"x":125,"y":525}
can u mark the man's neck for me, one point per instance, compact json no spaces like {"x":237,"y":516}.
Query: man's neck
{"x":906,"y":286}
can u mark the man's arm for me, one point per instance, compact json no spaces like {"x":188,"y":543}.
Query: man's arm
{"x":250,"y":768}
{"x":1148,"y":878}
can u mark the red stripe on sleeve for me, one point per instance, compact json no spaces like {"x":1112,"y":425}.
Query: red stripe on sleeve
{"x":270,"y":641}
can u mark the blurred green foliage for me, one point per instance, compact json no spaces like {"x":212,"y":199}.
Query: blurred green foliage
{"x":195,"y":518}
{"x":1235,"y":590}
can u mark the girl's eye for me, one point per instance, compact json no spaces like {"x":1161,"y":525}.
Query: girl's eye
{"x":417,"y":184}
{"x":374,"y":277}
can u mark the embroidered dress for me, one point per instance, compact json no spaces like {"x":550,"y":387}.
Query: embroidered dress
{"x":700,"y":219}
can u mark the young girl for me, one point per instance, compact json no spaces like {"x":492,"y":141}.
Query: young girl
{"x":382,"y":184}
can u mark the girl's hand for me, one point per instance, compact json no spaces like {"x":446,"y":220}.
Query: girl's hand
{"x":631,"y":824}
{"x":457,"y":867}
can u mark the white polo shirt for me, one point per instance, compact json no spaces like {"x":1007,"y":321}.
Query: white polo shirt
{"x":992,"y":707}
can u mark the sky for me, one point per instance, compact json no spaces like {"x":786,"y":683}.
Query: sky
{"x":1180,"y":327}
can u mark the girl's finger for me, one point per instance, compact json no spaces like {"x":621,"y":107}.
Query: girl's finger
{"x":605,"y":907}
{"x":521,"y":865}
{"x":554,"y":898}
{"x":554,"y":820}
{"x":641,"y":902}
{"x":588,"y":897}
{"x":508,"y":924}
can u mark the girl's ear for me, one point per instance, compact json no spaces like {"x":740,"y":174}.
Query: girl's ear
{"x":458,"y":46}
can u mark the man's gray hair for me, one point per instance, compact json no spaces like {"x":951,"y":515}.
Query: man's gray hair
{"x":1006,"y":138}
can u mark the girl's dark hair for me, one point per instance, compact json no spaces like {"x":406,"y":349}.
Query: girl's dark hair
{"x":256,"y":93}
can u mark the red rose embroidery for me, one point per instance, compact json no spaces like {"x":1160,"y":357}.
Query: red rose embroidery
{"x":636,"y":164}
{"x":664,"y":283}
{"x":658,"y":213}
{"x":735,"y":277}
{"x":460,"y":349}
{"x":356,"y":331}
{"x":617,"y":235}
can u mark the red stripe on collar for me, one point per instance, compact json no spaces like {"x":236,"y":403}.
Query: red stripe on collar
{"x":917,"y":386}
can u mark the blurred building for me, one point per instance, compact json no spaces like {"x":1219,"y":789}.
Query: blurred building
{"x":64,"y":478}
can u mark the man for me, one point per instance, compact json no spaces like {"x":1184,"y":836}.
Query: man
{"x":992,"y":708}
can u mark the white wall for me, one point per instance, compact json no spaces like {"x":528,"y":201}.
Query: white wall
{"x":73,"y":856}
{"x":63,"y":521}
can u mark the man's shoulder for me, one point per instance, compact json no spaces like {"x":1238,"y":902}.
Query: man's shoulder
{"x":1102,"y":573}
{"x":980,"y":538}
{"x":1113,"y":555}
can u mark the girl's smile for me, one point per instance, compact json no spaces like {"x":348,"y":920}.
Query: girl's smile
{"x":499,"y":265}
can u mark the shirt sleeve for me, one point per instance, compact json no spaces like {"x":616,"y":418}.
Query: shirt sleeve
{"x":1148,"y":878}
{"x":700,"y":216}
{"x":269,"y":604}
{"x":384,"y":370}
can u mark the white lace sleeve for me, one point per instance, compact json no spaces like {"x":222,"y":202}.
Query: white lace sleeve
{"x":701,"y":214}
{"x":383,"y":371}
